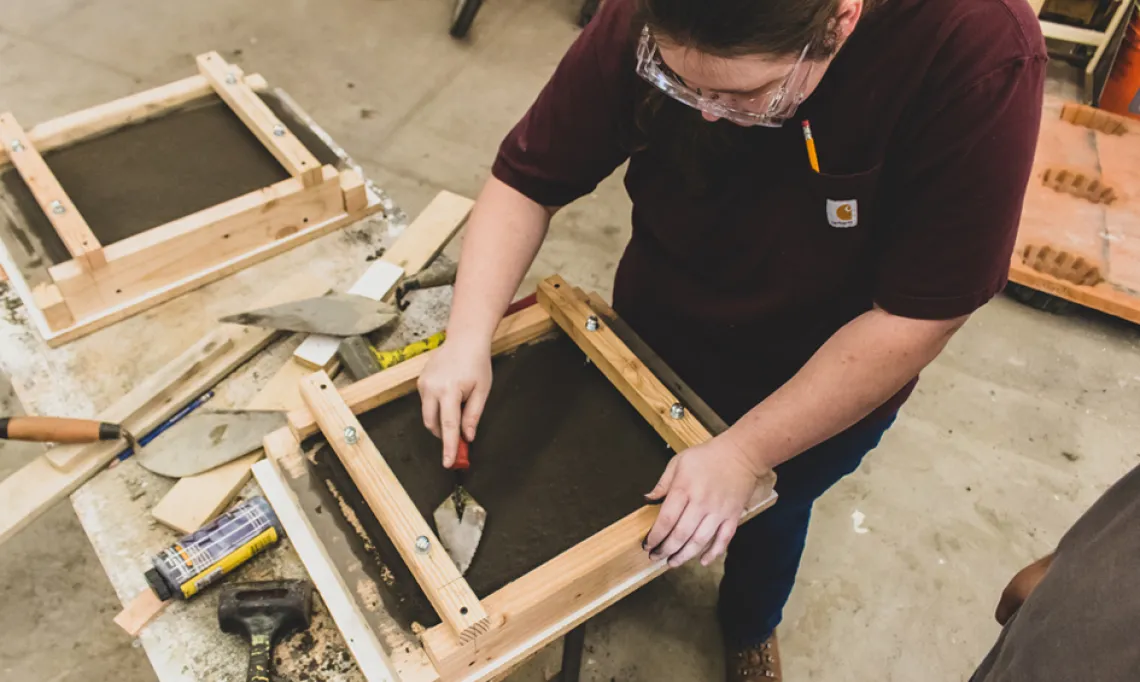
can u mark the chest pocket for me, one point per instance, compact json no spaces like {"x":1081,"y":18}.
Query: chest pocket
{"x":828,"y":249}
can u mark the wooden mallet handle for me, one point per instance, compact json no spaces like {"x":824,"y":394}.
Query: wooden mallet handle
{"x":58,"y":430}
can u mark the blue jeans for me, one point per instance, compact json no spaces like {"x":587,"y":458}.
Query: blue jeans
{"x":762,"y":560}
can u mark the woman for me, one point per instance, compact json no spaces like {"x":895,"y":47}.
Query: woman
{"x":800,"y":294}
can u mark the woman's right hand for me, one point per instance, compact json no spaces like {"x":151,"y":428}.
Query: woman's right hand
{"x":453,"y":389}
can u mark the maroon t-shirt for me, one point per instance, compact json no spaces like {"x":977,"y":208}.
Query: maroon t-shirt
{"x":743,"y":260}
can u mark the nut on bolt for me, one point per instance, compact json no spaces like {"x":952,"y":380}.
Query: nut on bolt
{"x":16,"y":146}
{"x":423,"y":544}
{"x":677,"y":411}
{"x":592,"y":323}
{"x":57,"y":207}
{"x":350,"y":435}
{"x":279,"y":130}
{"x":231,"y":79}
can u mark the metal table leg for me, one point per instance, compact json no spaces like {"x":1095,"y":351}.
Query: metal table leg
{"x":572,"y":646}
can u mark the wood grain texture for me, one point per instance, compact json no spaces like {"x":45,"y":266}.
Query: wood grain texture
{"x":77,"y":236}
{"x":103,"y":118}
{"x":258,"y":117}
{"x":370,"y":657}
{"x":435,"y":572}
{"x":131,"y":410}
{"x":180,"y":248}
{"x":140,"y":612}
{"x":369,"y":393}
{"x":639,"y":386}
{"x":416,"y":248}
{"x":532,"y":611}
{"x":31,"y":490}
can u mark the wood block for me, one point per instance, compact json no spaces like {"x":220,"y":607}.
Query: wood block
{"x":355,"y":192}
{"x":434,"y":570}
{"x":136,"y":615}
{"x":49,"y":300}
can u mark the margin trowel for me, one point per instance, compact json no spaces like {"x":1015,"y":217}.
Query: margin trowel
{"x":459,"y":519}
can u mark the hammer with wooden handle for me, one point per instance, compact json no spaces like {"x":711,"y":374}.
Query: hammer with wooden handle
{"x":62,"y":430}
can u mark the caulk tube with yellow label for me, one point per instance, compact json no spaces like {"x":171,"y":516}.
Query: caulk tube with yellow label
{"x":202,"y":558}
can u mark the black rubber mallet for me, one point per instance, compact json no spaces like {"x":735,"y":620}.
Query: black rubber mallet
{"x":263,"y":612}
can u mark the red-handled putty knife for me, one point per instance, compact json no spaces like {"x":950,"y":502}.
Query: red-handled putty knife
{"x":459,"y":520}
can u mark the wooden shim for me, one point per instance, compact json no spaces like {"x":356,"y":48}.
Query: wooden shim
{"x":370,"y":657}
{"x":49,"y":194}
{"x":103,"y":118}
{"x":182,"y":247}
{"x":156,"y":390}
{"x":434,"y":570}
{"x":140,"y":612}
{"x":195,"y":500}
{"x":416,"y":248}
{"x":639,"y":386}
{"x":31,"y":490}
{"x":260,"y":119}
{"x":371,"y":392}
{"x":544,"y":604}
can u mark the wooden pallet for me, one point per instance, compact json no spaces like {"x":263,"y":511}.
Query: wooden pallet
{"x":103,"y":284}
{"x":1080,"y":231}
{"x":481,"y":639}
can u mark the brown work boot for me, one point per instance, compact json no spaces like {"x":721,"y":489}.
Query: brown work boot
{"x":760,"y":663}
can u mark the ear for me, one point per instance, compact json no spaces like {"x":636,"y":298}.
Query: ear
{"x":848,"y":16}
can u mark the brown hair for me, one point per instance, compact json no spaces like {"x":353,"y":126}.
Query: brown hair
{"x":724,"y":28}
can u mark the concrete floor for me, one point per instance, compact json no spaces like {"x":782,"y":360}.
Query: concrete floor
{"x":1014,"y":431}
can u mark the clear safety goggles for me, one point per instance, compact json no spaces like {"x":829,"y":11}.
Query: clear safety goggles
{"x":770,"y":108}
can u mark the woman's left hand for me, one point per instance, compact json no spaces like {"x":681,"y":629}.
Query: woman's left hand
{"x":706,"y":489}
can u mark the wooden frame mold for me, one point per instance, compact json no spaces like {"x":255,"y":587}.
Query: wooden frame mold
{"x":103,"y":284}
{"x":506,"y":627}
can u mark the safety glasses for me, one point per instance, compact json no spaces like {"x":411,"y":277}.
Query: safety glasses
{"x":770,"y":108}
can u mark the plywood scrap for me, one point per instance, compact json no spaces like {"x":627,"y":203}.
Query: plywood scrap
{"x":1061,"y":264}
{"x":1096,"y":119}
{"x":1083,"y":185}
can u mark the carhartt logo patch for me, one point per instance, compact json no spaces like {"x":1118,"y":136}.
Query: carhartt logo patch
{"x":843,"y":213}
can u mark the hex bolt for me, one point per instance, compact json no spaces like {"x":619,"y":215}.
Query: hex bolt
{"x":231,"y":79}
{"x":423,"y":544}
{"x":16,"y":146}
{"x":57,"y":207}
{"x":279,"y":130}
{"x":677,"y":411}
{"x":592,"y":323}
{"x":350,"y":435}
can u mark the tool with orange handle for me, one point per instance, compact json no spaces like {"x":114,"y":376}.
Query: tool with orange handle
{"x":62,"y":430}
{"x":459,"y":520}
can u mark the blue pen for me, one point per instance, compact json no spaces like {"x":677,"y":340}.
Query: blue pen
{"x":161,"y":428}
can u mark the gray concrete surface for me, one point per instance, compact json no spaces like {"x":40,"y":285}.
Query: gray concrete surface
{"x":1014,"y":431}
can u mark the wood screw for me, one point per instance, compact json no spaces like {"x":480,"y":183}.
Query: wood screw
{"x":423,"y":544}
{"x":279,"y":130}
{"x":592,"y":323}
{"x":17,"y":146}
{"x":57,"y":207}
{"x":677,"y":411}
{"x":350,"y":435}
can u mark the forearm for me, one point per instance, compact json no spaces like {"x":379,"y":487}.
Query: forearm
{"x":856,"y":370}
{"x":503,"y":235}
